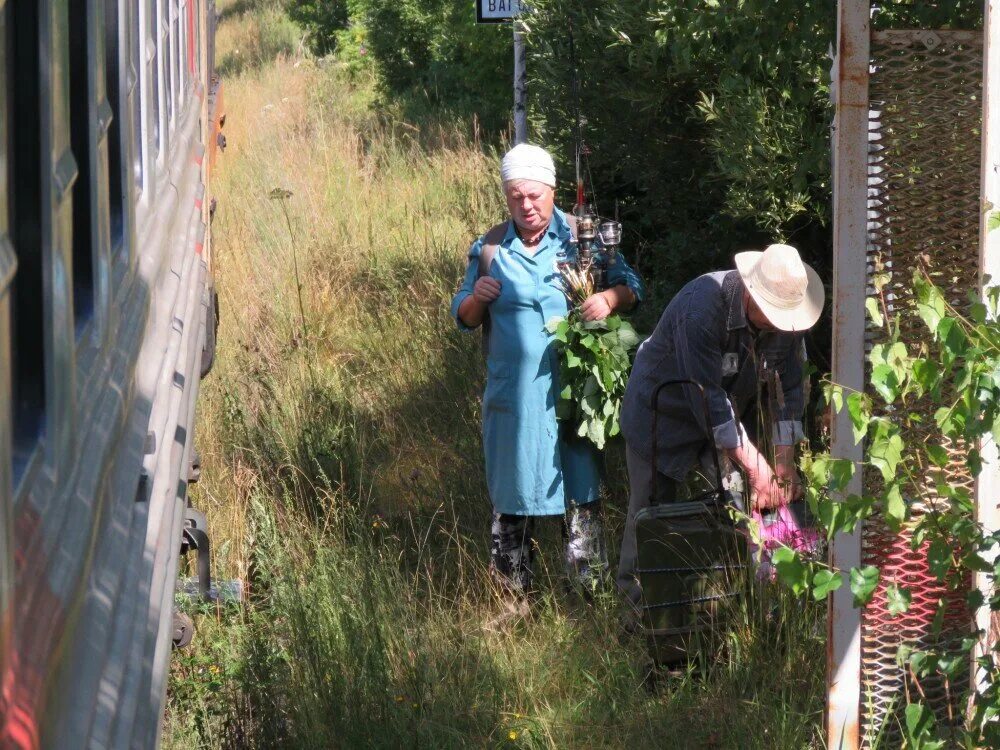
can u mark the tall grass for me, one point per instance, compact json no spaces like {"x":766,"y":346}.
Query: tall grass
{"x":343,"y":475}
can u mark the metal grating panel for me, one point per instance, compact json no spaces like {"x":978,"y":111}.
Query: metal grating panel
{"x":923,"y":206}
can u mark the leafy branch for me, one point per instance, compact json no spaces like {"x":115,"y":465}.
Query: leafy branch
{"x":595,"y":359}
{"x":914,"y":467}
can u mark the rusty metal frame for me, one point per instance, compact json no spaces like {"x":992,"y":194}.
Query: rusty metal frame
{"x":850,"y":196}
{"x":851,"y":184}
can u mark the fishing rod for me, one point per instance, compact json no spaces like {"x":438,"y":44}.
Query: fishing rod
{"x":592,"y":257}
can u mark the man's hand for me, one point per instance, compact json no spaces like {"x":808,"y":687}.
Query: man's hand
{"x":595,"y":307}
{"x":486,"y":290}
{"x":769,"y":488}
{"x":786,"y":473}
{"x":767,"y":492}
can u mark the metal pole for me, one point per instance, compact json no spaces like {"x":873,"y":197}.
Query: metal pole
{"x":988,"y":482}
{"x":520,"y":85}
{"x":850,"y":227}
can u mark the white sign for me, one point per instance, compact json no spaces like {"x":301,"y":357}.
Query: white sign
{"x":495,"y":11}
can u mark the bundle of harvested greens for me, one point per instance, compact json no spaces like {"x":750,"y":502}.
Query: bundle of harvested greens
{"x":595,"y":359}
{"x":577,"y":283}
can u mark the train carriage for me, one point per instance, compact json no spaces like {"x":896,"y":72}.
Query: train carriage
{"x":109,"y":119}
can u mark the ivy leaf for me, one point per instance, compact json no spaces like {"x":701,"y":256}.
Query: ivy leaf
{"x":920,"y":728}
{"x":825,"y":582}
{"x":863,"y":583}
{"x":951,"y":336}
{"x":886,"y":451}
{"x":921,"y":662}
{"x":937,"y":455}
{"x":834,"y":396}
{"x":944,"y":419}
{"x":790,"y":569}
{"x":993,"y":221}
{"x":871,"y":305}
{"x":939,"y":558}
{"x":885,"y":382}
{"x":841,"y":473}
{"x":975,"y":462}
{"x":859,"y":419}
{"x":897,"y":599}
{"x":930,"y":303}
{"x":895,"y":507}
{"x":926,"y":373}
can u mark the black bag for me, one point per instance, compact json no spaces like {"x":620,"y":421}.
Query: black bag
{"x":689,"y":555}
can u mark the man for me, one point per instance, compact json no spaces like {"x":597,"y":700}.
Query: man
{"x":534,"y":467}
{"x":738,"y":334}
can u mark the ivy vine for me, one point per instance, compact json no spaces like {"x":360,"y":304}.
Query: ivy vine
{"x":909,"y":466}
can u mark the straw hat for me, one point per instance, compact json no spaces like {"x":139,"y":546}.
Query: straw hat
{"x":788,"y":292}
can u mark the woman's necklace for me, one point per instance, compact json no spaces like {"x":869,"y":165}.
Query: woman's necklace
{"x":533,"y":240}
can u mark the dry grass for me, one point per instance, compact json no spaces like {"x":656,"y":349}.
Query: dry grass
{"x":342,"y":472}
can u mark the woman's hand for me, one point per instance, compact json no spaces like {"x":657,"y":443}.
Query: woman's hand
{"x":486,"y":290}
{"x":596,"y":307}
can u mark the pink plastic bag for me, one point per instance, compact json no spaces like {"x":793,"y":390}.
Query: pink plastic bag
{"x":777,"y":528}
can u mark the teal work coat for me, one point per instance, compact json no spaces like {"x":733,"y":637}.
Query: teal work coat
{"x":534,"y":466}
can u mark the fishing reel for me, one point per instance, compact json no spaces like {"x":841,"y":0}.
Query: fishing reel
{"x":597,"y":243}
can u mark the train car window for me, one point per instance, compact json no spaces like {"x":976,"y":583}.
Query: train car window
{"x":117,"y":85}
{"x":183,"y":46}
{"x":197,"y":39}
{"x":80,"y":136}
{"x":160,"y":73}
{"x":175,"y":46}
{"x":24,"y":189}
{"x":138,"y":127}
{"x":155,"y":93}
{"x":168,"y":64}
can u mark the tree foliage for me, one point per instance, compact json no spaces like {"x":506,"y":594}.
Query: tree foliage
{"x":322,"y":19}
{"x":431,"y":53}
{"x":707,"y":120}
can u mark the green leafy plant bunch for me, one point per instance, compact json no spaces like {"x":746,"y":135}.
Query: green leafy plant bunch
{"x":595,"y":359}
{"x":930,"y":411}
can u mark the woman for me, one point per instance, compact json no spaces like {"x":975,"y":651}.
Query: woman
{"x":534,"y":467}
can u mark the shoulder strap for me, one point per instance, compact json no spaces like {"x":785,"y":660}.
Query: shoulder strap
{"x":491,"y":243}
{"x":571,"y":220}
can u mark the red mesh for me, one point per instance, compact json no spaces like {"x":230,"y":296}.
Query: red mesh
{"x":923,"y":166}
{"x":886,"y":682}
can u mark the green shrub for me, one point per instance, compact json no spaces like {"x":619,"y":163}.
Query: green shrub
{"x":433,"y":54}
{"x":321,"y":19}
{"x":707,"y":121}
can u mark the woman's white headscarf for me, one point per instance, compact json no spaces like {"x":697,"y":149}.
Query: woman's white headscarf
{"x":527,"y":162}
